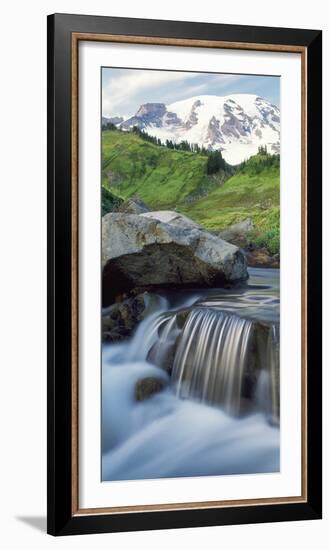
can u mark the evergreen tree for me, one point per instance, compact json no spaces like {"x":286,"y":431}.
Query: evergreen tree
{"x":262,"y":150}
{"x":109,"y":126}
{"x":215,"y":162}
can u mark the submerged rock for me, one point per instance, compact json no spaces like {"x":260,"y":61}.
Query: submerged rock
{"x":164,"y":249}
{"x":147,"y":387}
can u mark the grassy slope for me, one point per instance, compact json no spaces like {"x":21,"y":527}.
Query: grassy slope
{"x":165,"y":178}
{"x":253,"y":192}
{"x":161,"y":177}
{"x":246,"y":194}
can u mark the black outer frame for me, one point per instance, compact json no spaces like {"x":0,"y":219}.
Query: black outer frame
{"x":59,"y":516}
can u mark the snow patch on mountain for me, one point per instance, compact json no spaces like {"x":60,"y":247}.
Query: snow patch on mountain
{"x":236,"y":124}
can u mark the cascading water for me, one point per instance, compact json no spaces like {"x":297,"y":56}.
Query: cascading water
{"x":220,"y":371}
{"x":219,"y":358}
{"x":211,"y":356}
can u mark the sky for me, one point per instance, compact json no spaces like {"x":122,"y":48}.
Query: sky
{"x":124,"y":90}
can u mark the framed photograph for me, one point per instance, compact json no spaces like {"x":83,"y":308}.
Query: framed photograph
{"x":184,"y":274}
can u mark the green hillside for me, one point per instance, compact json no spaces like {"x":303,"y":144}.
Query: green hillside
{"x":253,"y":192}
{"x":170,"y":179}
{"x":161,"y":177}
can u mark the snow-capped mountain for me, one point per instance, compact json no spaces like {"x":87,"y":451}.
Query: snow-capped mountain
{"x":237,"y":124}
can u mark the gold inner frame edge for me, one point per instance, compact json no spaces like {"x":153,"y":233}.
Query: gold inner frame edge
{"x":130,"y":39}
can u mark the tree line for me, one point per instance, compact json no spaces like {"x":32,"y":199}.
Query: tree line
{"x":215,"y":160}
{"x":256,"y":164}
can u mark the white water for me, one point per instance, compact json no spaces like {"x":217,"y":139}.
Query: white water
{"x":177,"y":432}
{"x":165,"y":436}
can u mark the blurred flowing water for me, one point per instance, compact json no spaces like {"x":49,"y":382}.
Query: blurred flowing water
{"x":216,"y":352}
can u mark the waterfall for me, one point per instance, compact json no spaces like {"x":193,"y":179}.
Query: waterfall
{"x":211,"y":357}
{"x":218,"y":358}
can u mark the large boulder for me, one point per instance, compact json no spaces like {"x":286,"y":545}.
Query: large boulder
{"x":164,"y":249}
{"x":173,"y":218}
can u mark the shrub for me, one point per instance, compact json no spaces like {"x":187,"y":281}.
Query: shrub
{"x":109,"y":201}
{"x":269,"y":239}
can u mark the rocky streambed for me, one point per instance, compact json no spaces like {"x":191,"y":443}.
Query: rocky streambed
{"x":193,"y":380}
{"x":189,"y":333}
{"x":235,"y":329}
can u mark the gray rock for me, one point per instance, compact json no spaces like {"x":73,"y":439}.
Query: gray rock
{"x":120,"y":319}
{"x":193,"y":117}
{"x":148,"y":113}
{"x":163,"y":249}
{"x":238,"y":233}
{"x":173,"y":218}
{"x":147,"y":387}
{"x":133,"y":205}
{"x":260,"y":257}
{"x":214,"y":134}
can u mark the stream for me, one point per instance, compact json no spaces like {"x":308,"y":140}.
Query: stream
{"x":216,"y":354}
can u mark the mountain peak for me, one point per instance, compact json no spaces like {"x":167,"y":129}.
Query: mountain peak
{"x":237,"y":124}
{"x":151,"y":109}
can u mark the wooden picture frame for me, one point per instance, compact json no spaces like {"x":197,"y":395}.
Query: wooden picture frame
{"x":64,"y":34}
